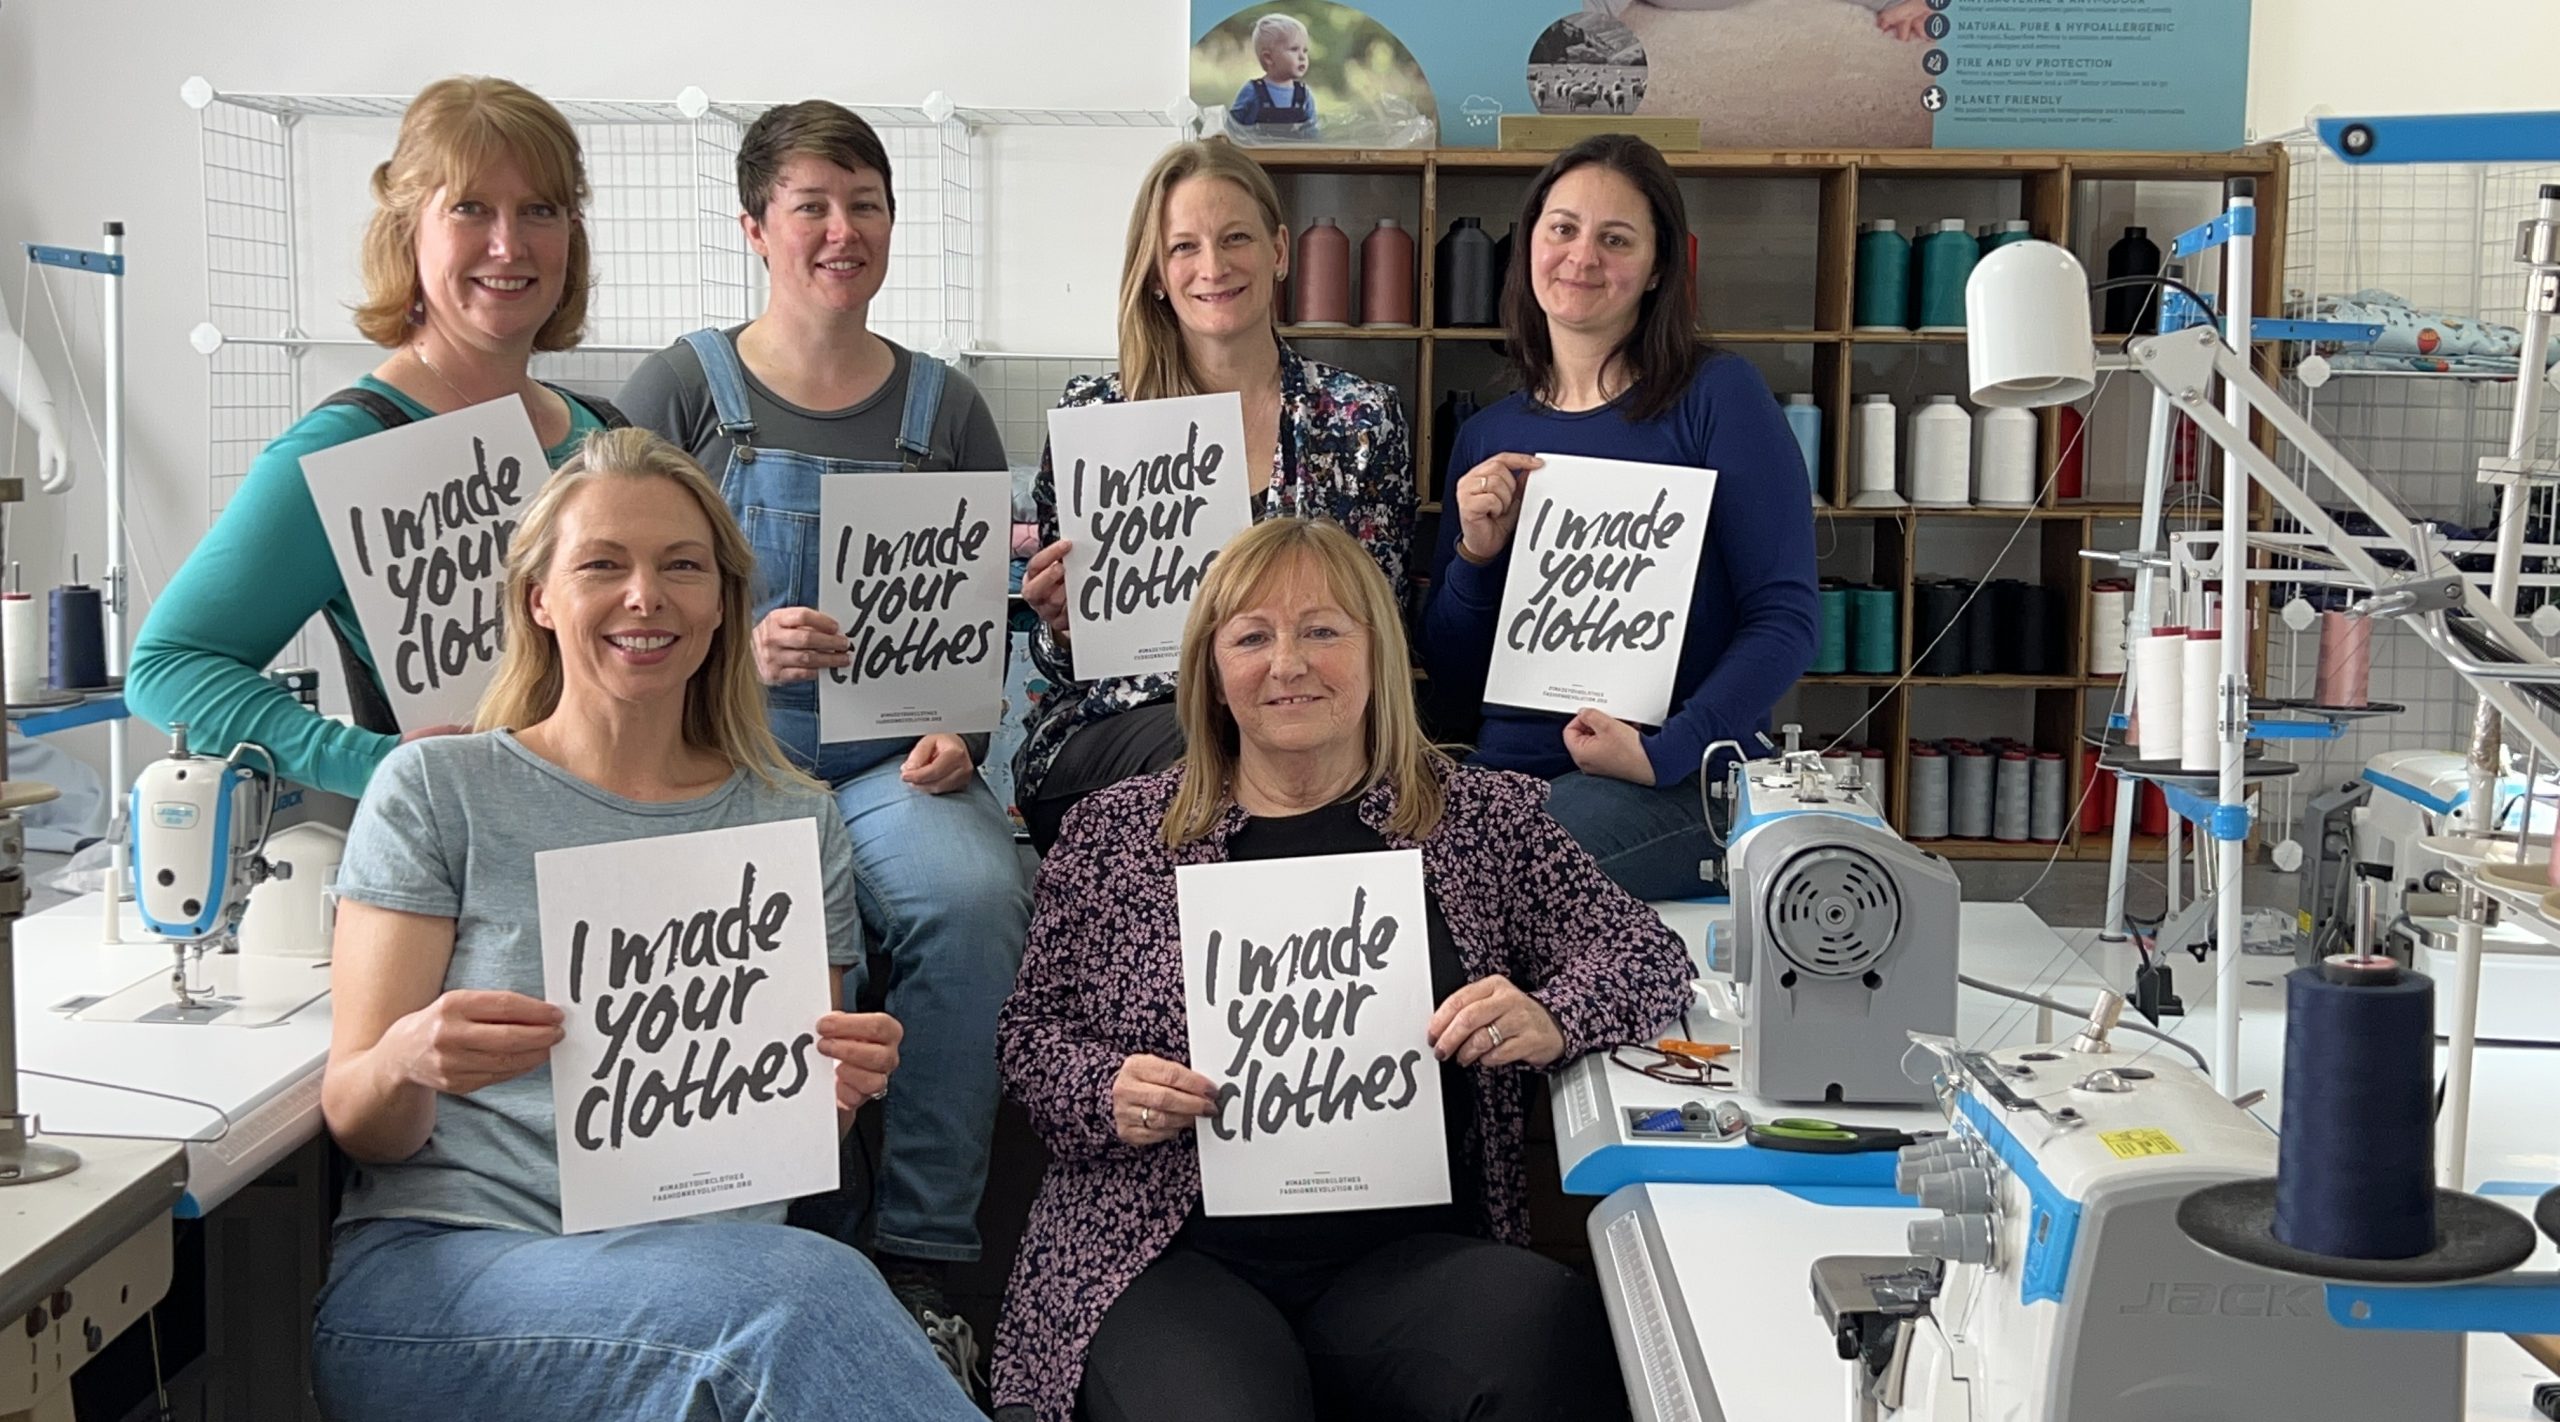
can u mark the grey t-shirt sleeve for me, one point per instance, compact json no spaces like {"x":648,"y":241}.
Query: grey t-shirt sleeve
{"x":397,"y":856}
{"x":968,"y":428}
{"x":667,"y":394}
{"x":844,"y":904}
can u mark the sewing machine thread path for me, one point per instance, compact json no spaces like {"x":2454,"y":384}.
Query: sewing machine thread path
{"x":2057,"y":1285}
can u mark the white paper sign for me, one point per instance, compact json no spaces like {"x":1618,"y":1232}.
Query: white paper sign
{"x":1148,"y":492}
{"x":420,"y":518}
{"x":1603,"y":563}
{"x":912,"y":568}
{"x":693,"y":969}
{"x":1308,"y":983}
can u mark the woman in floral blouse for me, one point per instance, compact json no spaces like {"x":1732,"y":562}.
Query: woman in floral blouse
{"x":1127,"y":1303}
{"x":1199,"y":315}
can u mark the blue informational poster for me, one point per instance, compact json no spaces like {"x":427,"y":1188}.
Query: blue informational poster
{"x":2101,"y":74}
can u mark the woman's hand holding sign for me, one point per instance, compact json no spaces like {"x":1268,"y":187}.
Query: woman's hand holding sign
{"x":864,"y":1047}
{"x":1044,"y":586}
{"x":467,"y":1039}
{"x":1154,"y":1100}
{"x":796,"y":643}
{"x":1601,"y":744}
{"x":1491,"y":1023}
{"x":1488,"y":498}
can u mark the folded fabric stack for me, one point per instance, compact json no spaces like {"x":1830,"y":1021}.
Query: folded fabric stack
{"x":2412,"y":339}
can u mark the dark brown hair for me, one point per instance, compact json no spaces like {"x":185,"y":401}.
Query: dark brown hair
{"x":820,"y":128}
{"x":1663,"y":350}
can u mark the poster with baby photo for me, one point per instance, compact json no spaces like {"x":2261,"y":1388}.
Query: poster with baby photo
{"x":1997,"y":74}
{"x":420,"y":518}
{"x":1604,"y":561}
{"x":1308,"y":988}
{"x":692,"y":969}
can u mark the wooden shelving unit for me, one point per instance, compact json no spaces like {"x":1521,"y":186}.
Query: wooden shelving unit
{"x":1831,"y":185}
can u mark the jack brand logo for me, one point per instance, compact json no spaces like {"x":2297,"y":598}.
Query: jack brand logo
{"x":2230,"y":1300}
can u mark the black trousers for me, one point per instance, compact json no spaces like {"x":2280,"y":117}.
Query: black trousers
{"x":1133,"y":743}
{"x":1430,"y":1328}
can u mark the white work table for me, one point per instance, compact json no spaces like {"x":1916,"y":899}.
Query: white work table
{"x":53,"y":1229}
{"x":266,"y":1079}
{"x":1708,"y":1285}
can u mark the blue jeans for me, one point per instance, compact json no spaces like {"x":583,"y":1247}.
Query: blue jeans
{"x":1648,"y":838}
{"x":945,"y":900}
{"x":686,"y":1322}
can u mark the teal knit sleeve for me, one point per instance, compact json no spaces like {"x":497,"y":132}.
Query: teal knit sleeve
{"x":260,"y":573}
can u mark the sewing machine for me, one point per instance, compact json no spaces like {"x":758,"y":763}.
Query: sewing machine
{"x":2411,"y":817}
{"x":201,"y":848}
{"x":2056,"y":1285}
{"x":1844,"y":938}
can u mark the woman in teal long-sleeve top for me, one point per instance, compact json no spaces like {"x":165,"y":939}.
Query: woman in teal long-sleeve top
{"x":476,"y":258}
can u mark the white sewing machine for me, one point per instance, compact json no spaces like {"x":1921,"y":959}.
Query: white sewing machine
{"x":2057,"y":1286}
{"x":1843,"y":938}
{"x":203,"y":861}
{"x":2405,"y":826}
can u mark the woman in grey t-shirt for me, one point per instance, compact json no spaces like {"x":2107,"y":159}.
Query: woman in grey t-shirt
{"x":625,"y":707}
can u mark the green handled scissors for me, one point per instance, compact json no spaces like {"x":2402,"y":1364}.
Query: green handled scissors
{"x":1820,"y":1137}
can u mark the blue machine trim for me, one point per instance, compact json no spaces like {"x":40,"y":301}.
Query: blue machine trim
{"x":1745,"y":819}
{"x":2445,"y":138}
{"x":2178,"y":311}
{"x":2234,"y":222}
{"x":2297,"y":730}
{"x":2515,"y":1303}
{"x":2530,"y":1189}
{"x":2414,"y":795}
{"x":45,"y":723}
{"x":2057,"y":1222}
{"x":2119,"y":721}
{"x":2352,"y":333}
{"x":187,"y":1208}
{"x":1624,"y":1163}
{"x":74,"y":258}
{"x":2219,"y":820}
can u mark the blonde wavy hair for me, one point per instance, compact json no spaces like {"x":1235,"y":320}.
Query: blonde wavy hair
{"x":724,"y":703}
{"x":1246,"y":570}
{"x":1154,"y":363}
{"x":453,"y":133}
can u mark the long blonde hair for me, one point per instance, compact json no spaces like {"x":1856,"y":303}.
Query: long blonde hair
{"x":724,"y":703}
{"x":1400,"y":755}
{"x":453,"y":132}
{"x":1154,"y":363}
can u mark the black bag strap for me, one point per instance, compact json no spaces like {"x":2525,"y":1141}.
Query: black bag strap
{"x":367,"y":705}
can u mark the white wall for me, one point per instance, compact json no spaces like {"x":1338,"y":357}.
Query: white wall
{"x":2399,"y":57}
{"x":91,"y":127}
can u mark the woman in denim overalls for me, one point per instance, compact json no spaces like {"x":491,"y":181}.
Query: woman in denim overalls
{"x":803,"y":394}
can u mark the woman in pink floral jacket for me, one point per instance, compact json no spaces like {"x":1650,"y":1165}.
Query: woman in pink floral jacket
{"x":1126,"y":1302}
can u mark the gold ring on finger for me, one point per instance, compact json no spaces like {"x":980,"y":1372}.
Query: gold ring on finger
{"x":1147,"y":1117}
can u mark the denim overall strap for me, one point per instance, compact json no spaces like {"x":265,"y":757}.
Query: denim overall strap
{"x":924,"y":405}
{"x":727,"y":378}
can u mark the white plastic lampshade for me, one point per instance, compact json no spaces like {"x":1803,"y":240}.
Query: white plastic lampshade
{"x":2026,"y":312}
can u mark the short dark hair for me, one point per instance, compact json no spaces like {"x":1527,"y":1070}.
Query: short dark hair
{"x":820,"y":128}
{"x":1662,"y":352}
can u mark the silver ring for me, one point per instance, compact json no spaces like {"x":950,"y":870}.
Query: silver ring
{"x":1147,"y":1118}
{"x":1494,"y":1031}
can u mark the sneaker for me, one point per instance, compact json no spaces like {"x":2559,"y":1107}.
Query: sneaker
{"x":954,"y":1341}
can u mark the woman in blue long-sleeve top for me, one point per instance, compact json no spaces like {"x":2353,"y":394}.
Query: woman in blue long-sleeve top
{"x":1599,"y":315}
